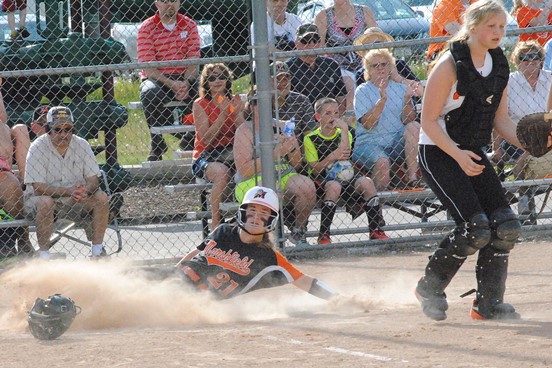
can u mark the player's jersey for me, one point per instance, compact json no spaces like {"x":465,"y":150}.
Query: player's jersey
{"x":229,"y":267}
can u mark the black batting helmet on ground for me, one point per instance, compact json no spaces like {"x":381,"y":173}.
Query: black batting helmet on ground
{"x":50,"y":318}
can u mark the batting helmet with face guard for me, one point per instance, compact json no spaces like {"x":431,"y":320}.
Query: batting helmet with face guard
{"x":50,"y":318}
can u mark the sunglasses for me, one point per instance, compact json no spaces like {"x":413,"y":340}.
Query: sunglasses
{"x":213,"y":78}
{"x":310,"y":38}
{"x":168,"y":1}
{"x":530,"y":57}
{"x":63,"y":130}
{"x":379,"y":65}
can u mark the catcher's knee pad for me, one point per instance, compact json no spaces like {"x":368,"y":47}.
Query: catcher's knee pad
{"x":506,"y":228}
{"x":471,"y":236}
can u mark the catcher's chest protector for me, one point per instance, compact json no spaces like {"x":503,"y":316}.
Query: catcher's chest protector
{"x":471,"y":124}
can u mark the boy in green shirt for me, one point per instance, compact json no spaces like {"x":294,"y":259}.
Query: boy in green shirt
{"x":326,"y":149}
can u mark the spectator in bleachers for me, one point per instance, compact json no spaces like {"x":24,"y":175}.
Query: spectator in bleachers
{"x":11,"y":190}
{"x":62,"y":182}
{"x":315,"y":76}
{"x":528,"y":90}
{"x":9,"y":7}
{"x":548,"y":56}
{"x":167,"y":36}
{"x":291,"y":104}
{"x":387,"y":133}
{"x":533,"y":14}
{"x":339,"y":25}
{"x":281,"y":25}
{"x":329,"y":144}
{"x":217,"y":114}
{"x":446,"y":20}
{"x":298,"y":190}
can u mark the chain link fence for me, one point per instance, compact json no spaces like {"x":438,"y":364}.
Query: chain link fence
{"x":181,"y":128}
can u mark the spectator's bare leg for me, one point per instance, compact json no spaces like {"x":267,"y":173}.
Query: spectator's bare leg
{"x":20,"y":135}
{"x":519,"y":167}
{"x":301,"y":191}
{"x":44,"y":221}
{"x":99,"y":204}
{"x":411,"y":137}
{"x":11,"y":200}
{"x":11,"y":21}
{"x":380,"y":173}
{"x":365,"y":186}
{"x":219,"y":175}
{"x":350,"y":85}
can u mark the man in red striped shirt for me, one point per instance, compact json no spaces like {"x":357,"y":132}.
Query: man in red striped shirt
{"x":166,"y":36}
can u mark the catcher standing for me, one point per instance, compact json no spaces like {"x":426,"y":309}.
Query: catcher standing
{"x":465,"y":98}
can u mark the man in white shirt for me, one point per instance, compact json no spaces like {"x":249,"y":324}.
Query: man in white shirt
{"x":62,"y":182}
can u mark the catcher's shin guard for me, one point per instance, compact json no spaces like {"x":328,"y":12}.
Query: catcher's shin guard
{"x":491,"y":272}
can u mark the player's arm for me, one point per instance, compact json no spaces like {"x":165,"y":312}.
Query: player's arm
{"x":503,"y":124}
{"x":315,"y":287}
{"x":190,"y":255}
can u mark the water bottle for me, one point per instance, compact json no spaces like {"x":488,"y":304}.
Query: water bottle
{"x":289,"y":128}
{"x":177,"y":115}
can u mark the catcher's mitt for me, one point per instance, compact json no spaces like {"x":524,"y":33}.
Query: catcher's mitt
{"x":533,"y":131}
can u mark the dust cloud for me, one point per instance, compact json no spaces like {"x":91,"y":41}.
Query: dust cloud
{"x":116,"y":294}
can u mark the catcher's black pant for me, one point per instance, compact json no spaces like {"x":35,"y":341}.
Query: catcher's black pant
{"x":464,"y":196}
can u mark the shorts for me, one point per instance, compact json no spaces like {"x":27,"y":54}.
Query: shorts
{"x":366,"y":155}
{"x":218,"y":154}
{"x":64,"y":208}
{"x":10,"y":6}
{"x":245,"y":185}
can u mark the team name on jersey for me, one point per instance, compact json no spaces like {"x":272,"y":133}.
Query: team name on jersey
{"x":229,"y":259}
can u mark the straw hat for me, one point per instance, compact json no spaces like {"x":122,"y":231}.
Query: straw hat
{"x":371,"y":35}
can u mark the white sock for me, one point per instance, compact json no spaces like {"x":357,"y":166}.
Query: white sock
{"x":96,"y":249}
{"x":44,"y":254}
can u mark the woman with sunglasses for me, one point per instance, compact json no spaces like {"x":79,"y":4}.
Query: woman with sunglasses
{"x":340,"y":25}
{"x":386,"y":133}
{"x":217,"y":114}
{"x":528,"y":87}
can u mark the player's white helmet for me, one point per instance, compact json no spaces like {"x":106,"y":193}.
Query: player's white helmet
{"x":262,"y":196}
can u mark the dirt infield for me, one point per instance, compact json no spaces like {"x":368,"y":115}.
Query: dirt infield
{"x":130,"y":322}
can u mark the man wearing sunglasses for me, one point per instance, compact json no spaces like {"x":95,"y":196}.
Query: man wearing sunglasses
{"x":62,"y":182}
{"x":313,"y":75}
{"x":167,"y":36}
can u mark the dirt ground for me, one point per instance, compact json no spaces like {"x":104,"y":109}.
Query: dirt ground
{"x":127,"y":321}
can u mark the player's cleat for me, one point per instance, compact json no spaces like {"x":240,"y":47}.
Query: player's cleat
{"x":324,"y":239}
{"x":500,"y":311}
{"x":378,"y":234}
{"x":434,"y":306}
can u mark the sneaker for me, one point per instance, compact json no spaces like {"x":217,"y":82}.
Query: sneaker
{"x":24,"y":32}
{"x":14,"y":35}
{"x":103,"y":255}
{"x":378,"y":234}
{"x":324,"y":239}
{"x":434,"y":306}
{"x":500,"y":311}
{"x":297,"y":236}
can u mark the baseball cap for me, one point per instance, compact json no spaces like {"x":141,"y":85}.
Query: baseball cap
{"x":306,"y":29}
{"x":277,"y":68}
{"x":40,"y":112}
{"x":59,"y":115}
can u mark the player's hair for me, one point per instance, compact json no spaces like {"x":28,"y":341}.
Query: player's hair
{"x":204,"y":90}
{"x":370,"y":55}
{"x":476,"y":14}
{"x":319,"y":105}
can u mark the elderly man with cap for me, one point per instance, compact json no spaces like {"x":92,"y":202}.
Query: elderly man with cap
{"x":62,"y":182}
{"x":290,"y":104}
{"x":313,"y":75}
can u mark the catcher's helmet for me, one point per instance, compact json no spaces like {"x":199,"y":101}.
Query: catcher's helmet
{"x":262,"y":196}
{"x":50,"y":318}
